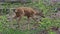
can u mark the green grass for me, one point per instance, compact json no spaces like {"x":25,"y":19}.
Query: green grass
{"x":45,"y":24}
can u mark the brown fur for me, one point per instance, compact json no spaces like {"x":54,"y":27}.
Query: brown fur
{"x":26,"y":11}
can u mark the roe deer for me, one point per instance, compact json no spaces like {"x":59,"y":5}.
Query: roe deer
{"x":26,"y":11}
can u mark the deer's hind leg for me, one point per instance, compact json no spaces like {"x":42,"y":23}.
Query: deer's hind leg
{"x":28,"y":24}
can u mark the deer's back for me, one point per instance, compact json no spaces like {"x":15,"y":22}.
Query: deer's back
{"x":25,"y":11}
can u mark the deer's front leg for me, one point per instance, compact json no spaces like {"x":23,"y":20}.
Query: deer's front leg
{"x":18,"y":22}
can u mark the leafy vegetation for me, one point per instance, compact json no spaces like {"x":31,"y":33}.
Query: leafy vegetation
{"x":46,"y":23}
